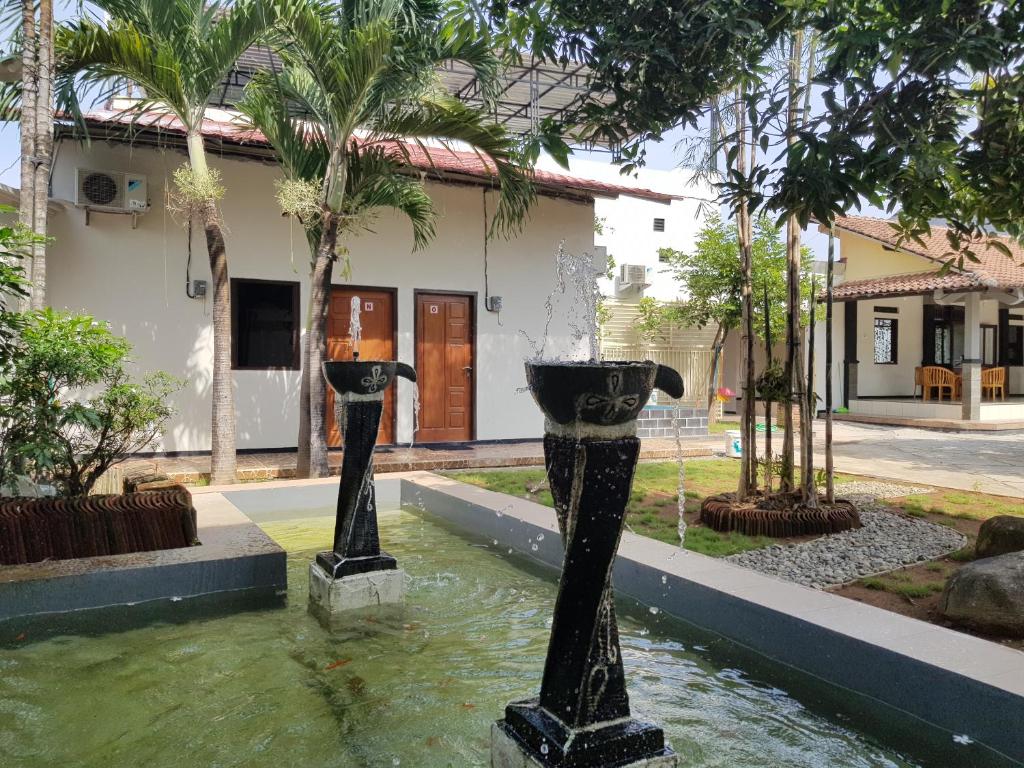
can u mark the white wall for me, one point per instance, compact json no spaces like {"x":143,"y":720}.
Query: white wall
{"x":628,"y":226}
{"x":135,"y":280}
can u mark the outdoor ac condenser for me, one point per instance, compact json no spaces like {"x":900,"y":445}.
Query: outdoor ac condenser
{"x":111,"y":191}
{"x":634,"y":275}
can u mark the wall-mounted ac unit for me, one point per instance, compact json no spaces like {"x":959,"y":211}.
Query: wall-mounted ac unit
{"x":633,"y":275}
{"x":111,"y":191}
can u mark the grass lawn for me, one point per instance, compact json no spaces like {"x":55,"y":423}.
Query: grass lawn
{"x":653,"y":502}
{"x":961,"y":505}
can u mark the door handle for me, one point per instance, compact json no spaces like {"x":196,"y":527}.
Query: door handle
{"x":468,"y":369}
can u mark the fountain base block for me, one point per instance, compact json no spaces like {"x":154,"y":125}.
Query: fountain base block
{"x":530,"y":737}
{"x":338,"y":567}
{"x":329,"y":596}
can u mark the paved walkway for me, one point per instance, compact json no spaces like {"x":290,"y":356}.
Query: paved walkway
{"x":987,"y":462}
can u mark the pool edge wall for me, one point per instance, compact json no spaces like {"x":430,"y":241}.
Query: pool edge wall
{"x":236,"y":561}
{"x":952,"y":681}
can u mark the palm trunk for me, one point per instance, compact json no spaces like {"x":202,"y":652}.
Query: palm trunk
{"x":302,"y":458}
{"x":830,"y":490}
{"x":29,"y":99}
{"x":320,"y":292}
{"x":43,"y":129}
{"x":222,"y":429}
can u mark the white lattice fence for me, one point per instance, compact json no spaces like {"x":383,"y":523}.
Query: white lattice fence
{"x":693,"y":364}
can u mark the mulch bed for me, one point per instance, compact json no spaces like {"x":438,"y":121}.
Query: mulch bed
{"x":38,"y":529}
{"x":777,"y":515}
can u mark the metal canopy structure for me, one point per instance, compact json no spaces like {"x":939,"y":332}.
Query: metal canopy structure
{"x":529,"y":92}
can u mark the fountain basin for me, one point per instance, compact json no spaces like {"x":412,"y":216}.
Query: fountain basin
{"x":365,"y":377}
{"x":605,"y":393}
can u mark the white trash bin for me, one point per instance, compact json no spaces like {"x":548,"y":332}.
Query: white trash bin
{"x":733,"y":444}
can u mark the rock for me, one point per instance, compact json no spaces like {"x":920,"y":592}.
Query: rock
{"x":1000,"y":536}
{"x":988,"y":595}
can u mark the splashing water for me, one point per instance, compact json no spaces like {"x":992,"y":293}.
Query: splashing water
{"x":355,"y":328}
{"x":677,"y":422}
{"x":576,"y":284}
{"x":415,"y":411}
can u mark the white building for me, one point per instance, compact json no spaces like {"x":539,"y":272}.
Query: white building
{"x":634,"y":229}
{"x":428,"y":307}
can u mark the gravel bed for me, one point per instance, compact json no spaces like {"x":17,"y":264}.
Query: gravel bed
{"x":886,"y":542}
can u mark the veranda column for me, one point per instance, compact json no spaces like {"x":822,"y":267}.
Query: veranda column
{"x":971,"y":370}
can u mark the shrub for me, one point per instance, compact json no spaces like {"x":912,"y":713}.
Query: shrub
{"x":68,"y":408}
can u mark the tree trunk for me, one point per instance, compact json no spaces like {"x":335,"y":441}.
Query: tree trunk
{"x":29,"y":91}
{"x":303,"y":444}
{"x":748,"y":468}
{"x":43,"y":148}
{"x":222,"y":430}
{"x":792,"y":367}
{"x":716,"y":355}
{"x":810,"y":489}
{"x":768,"y":468}
{"x":320,"y":292}
{"x":830,"y":489}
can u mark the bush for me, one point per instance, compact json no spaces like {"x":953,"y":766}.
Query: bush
{"x":68,"y":408}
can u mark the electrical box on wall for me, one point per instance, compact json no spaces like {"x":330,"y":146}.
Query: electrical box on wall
{"x":493,"y":303}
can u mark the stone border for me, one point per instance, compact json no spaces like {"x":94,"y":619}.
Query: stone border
{"x":236,"y":560}
{"x":955,"y":682}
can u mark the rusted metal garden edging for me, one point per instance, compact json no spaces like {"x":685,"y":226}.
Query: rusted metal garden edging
{"x":965,"y":686}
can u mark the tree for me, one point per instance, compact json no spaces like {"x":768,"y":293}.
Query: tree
{"x":711,"y":276}
{"x":922,"y":117}
{"x":65,"y":436}
{"x":177,"y":52}
{"x":368,"y":66}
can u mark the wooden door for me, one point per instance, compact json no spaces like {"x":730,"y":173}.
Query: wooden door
{"x":377,"y":319}
{"x":445,"y":362}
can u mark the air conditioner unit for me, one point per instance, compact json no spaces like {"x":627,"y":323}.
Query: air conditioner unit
{"x":634,"y":275}
{"x":111,"y":191}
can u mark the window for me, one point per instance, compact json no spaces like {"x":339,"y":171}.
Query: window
{"x":659,"y":225}
{"x":886,"y":333}
{"x":988,"y":345}
{"x":943,"y":343}
{"x":1015,"y":347}
{"x":264,"y":324}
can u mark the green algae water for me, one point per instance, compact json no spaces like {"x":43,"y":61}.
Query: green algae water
{"x":417,"y":686}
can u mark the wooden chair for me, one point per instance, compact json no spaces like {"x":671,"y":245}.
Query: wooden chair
{"x":918,"y":380}
{"x":993,"y":379}
{"x":934,"y":377}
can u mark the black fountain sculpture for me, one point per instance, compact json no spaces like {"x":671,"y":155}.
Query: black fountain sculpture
{"x":361,"y":384}
{"x":582,"y":718}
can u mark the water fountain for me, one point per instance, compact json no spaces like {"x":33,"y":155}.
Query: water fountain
{"x":355,"y":573}
{"x":582,"y":715}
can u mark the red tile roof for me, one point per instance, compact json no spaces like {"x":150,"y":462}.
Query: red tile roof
{"x":438,"y":160}
{"x":992,"y":270}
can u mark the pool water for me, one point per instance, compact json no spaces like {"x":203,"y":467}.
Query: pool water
{"x":414,"y":686}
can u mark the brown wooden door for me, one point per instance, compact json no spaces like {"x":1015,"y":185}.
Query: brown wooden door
{"x":444,"y":367}
{"x":378,"y":343}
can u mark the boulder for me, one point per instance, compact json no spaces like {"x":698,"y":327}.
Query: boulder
{"x":1000,"y":536}
{"x":988,"y":595}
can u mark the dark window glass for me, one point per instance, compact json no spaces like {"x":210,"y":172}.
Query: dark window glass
{"x":265,"y":324}
{"x":885,"y":340}
{"x":659,"y":225}
{"x":1015,"y":351}
{"x":943,"y":343}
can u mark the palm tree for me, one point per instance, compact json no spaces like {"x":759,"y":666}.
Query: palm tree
{"x":177,"y":51}
{"x":362,"y":77}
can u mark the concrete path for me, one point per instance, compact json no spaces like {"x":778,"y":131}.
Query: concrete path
{"x":987,"y":462}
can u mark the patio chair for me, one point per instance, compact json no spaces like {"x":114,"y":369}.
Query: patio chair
{"x":941,"y":379}
{"x":993,"y":379}
{"x":919,"y":380}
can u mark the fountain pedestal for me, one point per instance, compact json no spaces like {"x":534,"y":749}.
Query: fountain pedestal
{"x":355,"y":573}
{"x":582,"y":718}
